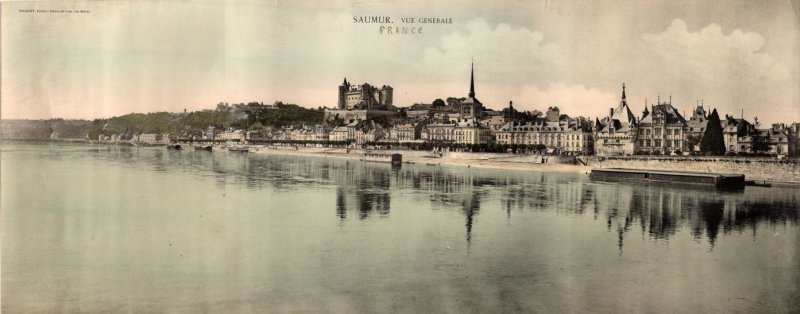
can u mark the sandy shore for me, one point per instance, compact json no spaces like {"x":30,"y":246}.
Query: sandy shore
{"x":457,"y":162}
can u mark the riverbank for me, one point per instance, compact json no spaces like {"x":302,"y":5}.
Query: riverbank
{"x":426,"y":158}
{"x":783,"y":174}
{"x":762,"y":170}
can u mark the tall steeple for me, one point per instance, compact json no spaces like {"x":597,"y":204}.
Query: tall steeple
{"x":472,"y":81}
{"x":624,"y":100}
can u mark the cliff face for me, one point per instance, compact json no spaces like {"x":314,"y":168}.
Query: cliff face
{"x":45,"y":129}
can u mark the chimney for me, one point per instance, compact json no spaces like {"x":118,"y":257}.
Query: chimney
{"x":610,"y":112}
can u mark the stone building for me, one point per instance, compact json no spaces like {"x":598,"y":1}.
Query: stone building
{"x":149,"y":138}
{"x":661,"y":129}
{"x":616,"y":133}
{"x":778,"y":139}
{"x":405,"y":132}
{"x":579,"y":139}
{"x":696,"y":128}
{"x":439,"y":132}
{"x":573,"y":136}
{"x":471,"y":132}
{"x":550,"y":134}
{"x":733,"y":130}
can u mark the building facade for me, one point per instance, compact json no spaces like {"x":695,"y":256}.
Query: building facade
{"x":661,"y":130}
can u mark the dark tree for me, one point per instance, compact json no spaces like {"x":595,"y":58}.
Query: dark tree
{"x":713,"y":143}
{"x":438,"y":103}
{"x":760,"y":142}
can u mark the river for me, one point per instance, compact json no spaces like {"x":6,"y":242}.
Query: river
{"x":101,"y":228}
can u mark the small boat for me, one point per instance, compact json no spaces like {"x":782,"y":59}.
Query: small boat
{"x":757,"y":183}
{"x":204,"y":147}
{"x":174,"y":146}
{"x":241,"y":149}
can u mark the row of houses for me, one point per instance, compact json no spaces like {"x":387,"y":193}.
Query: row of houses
{"x":663,"y":130}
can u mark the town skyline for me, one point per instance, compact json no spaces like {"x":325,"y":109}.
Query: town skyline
{"x":155,"y":56}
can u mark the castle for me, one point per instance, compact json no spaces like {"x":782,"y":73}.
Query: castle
{"x":364,"y":97}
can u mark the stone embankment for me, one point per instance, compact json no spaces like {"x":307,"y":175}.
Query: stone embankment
{"x":758,"y":169}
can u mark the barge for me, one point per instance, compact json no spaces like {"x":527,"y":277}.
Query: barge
{"x":174,"y":146}
{"x":394,"y":159}
{"x":735,"y":181}
{"x":205,"y":148}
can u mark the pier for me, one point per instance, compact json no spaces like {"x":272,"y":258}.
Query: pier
{"x":622,"y":174}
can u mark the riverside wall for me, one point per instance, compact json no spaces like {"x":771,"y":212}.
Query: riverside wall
{"x":758,"y":169}
{"x":753,"y":169}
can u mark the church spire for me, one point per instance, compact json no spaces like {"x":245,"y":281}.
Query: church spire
{"x":472,"y":81}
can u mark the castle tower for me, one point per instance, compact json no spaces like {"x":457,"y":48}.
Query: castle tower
{"x":342,"y":91}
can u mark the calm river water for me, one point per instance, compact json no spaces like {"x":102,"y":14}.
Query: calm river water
{"x":96,"y":228}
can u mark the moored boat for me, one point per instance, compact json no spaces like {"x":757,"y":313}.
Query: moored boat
{"x":240,"y":149}
{"x":395,"y":159}
{"x":204,"y":147}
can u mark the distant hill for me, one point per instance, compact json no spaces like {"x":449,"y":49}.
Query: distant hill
{"x":45,"y":129}
{"x":241,"y":116}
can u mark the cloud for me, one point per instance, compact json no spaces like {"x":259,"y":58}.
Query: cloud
{"x":732,"y":71}
{"x":573,"y":100}
{"x":711,"y":54}
{"x":502,"y":54}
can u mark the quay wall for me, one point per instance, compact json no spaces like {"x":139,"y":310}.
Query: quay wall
{"x":758,"y":169}
{"x":753,"y":169}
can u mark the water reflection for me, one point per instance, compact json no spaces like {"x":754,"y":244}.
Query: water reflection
{"x":364,"y":190}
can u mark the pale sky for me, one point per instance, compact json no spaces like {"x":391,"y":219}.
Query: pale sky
{"x":145,"y":56}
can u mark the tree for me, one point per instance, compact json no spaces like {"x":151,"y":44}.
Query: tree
{"x":693,"y":140}
{"x":438,"y":103}
{"x":760,"y":143}
{"x":713,"y":143}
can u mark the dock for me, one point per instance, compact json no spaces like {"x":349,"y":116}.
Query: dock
{"x":735,"y":181}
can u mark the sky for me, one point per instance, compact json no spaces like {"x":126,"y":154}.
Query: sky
{"x":118,"y":57}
